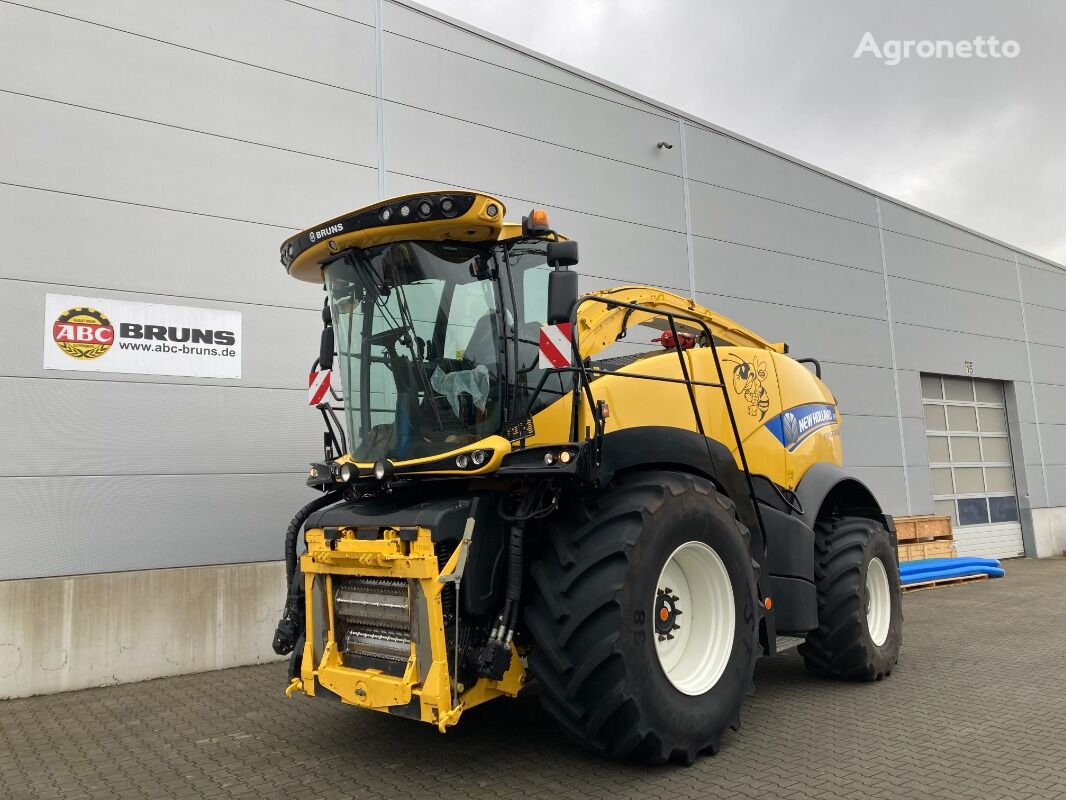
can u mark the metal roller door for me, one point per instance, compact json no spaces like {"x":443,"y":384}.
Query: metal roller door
{"x":970,"y":464}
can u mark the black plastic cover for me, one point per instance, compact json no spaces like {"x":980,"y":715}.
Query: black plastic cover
{"x":444,"y":515}
{"x":795,"y":605}
{"x":789,"y":544}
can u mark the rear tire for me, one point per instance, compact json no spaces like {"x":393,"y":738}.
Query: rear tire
{"x":860,"y":610}
{"x":613,"y":679}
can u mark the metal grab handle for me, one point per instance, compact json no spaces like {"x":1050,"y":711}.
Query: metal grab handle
{"x":817,"y":365}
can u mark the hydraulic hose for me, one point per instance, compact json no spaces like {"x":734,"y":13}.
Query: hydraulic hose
{"x":514,"y":566}
{"x":514,"y":579}
{"x":290,"y":628}
{"x":292,"y":533}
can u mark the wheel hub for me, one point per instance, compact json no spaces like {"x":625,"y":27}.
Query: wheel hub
{"x":878,"y":605}
{"x":694,"y":618}
{"x":666,"y":613}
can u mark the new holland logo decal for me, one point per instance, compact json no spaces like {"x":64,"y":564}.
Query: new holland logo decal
{"x":793,"y":426}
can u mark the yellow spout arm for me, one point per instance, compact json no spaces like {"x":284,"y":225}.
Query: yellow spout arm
{"x":600,"y":324}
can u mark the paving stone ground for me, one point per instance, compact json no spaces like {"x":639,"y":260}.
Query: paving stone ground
{"x":975,"y":709}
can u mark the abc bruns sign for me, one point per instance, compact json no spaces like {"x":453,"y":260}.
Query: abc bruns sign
{"x":98,"y":335}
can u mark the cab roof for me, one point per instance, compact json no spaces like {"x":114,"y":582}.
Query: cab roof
{"x":443,"y":215}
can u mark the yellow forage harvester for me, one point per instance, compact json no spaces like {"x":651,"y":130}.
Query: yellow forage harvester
{"x":620,"y":496}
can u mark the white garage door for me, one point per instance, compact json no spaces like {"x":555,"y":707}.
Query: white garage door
{"x":970,"y":464}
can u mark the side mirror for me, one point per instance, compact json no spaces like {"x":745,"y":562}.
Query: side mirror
{"x":325,"y":352}
{"x":562,"y":294}
{"x":562,"y":254}
{"x":325,"y":348}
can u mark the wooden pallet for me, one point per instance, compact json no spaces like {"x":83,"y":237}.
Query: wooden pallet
{"x":923,"y":529}
{"x":939,"y":582}
{"x":918,"y":551}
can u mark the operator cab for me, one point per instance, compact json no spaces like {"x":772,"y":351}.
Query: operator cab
{"x":436,"y":307}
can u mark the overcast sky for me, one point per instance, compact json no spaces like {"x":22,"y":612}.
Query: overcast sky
{"x":981,"y":142}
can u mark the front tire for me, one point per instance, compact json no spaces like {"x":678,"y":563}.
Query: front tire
{"x":622,"y":671}
{"x":860,"y":608}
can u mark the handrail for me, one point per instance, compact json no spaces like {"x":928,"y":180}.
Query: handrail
{"x":584,"y":388}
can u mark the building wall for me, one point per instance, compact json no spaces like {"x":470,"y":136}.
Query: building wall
{"x":161,"y":153}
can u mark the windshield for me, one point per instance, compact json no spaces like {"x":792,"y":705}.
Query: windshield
{"x":418,"y":347}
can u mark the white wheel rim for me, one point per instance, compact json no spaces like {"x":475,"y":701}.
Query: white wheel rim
{"x":878,"y":601}
{"x":693,"y":646}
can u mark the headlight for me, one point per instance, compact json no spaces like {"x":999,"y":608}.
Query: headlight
{"x":386,"y":214}
{"x":462,"y":461}
{"x":346,"y":472}
{"x":382,"y":469}
{"x":405,"y":211}
{"x":425,"y":209}
{"x":479,"y":457}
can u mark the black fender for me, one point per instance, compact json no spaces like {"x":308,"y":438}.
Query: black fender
{"x":827,"y":488}
{"x":664,"y":447}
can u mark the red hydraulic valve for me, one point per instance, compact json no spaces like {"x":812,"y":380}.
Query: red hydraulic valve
{"x":684,"y":341}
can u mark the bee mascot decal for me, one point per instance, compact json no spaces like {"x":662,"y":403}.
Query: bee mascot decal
{"x":748,"y":377}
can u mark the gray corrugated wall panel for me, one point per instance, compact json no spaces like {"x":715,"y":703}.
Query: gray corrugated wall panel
{"x":920,"y":486}
{"x":887,"y":485}
{"x":861,"y":390}
{"x":1023,"y":396}
{"x":140,"y":162}
{"x":424,"y":144}
{"x":736,"y":217}
{"x":819,"y":334}
{"x":756,"y":274}
{"x":724,"y":161}
{"x":932,"y":263}
{"x":278,"y":344}
{"x":242,"y":102}
{"x":914,"y":442}
{"x":68,"y":427}
{"x":952,"y":309}
{"x":870,"y":441}
{"x":1052,"y":403}
{"x":412,"y":23}
{"x":1034,"y":477}
{"x":1054,"y":439}
{"x":289,"y":38}
{"x":360,"y":10}
{"x":440,"y":80}
{"x":632,"y":254}
{"x":609,"y":249}
{"x":76,"y":525}
{"x":902,"y":220}
{"x":1049,"y":364}
{"x":1056,"y":485}
{"x":1044,"y":285}
{"x":146,"y":250}
{"x":910,"y":392}
{"x":930,"y":350}
{"x":1030,"y":444}
{"x":1046,"y":325}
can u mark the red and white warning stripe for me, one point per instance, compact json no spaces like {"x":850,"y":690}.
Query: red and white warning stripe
{"x":317,"y":386}
{"x":556,"y":349}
